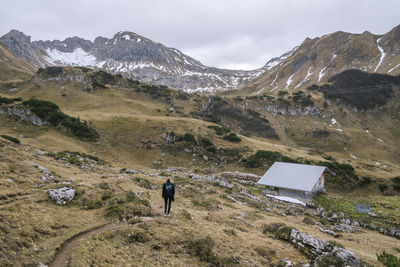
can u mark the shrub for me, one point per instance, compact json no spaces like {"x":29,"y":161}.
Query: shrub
{"x":330,"y":260}
{"x":261,"y":156}
{"x":264,"y":252}
{"x":104,"y":186}
{"x":12,"y":139}
{"x":232,"y":137}
{"x":219,"y":130}
{"x":279,"y":230}
{"x":4,"y":100}
{"x":52,"y":71}
{"x":281,"y":93}
{"x":188,"y":137}
{"x":106,"y":195}
{"x":388,"y":259}
{"x":203,"y":249}
{"x":366,"y":180}
{"x":114,"y":211}
{"x":98,"y":85}
{"x":51,"y":112}
{"x":43,"y":109}
{"x":383,"y":187}
{"x":396,"y":179}
{"x":140,"y":237}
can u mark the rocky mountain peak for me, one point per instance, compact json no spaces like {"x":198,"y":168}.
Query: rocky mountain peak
{"x":133,"y":56}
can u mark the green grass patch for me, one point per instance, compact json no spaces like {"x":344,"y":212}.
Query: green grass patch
{"x":388,"y":259}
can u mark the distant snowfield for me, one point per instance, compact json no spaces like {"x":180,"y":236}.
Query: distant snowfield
{"x":76,"y":58}
{"x":288,"y":199}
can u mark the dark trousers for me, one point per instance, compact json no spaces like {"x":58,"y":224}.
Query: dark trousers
{"x":167,"y":200}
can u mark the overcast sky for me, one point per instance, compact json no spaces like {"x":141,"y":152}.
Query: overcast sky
{"x":221,"y":33}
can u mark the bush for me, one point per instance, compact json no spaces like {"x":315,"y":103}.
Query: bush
{"x":262,"y":156}
{"x":279,"y":230}
{"x":282,"y":93}
{"x":140,"y":237}
{"x":188,"y":137}
{"x":383,"y":187}
{"x":52,"y":71}
{"x":219,"y":130}
{"x":43,"y":109}
{"x":4,"y":100}
{"x":98,"y":85}
{"x":114,"y":211}
{"x":366,"y":180}
{"x":106,"y":195}
{"x":232,"y":137}
{"x":51,"y":112}
{"x":104,"y":186}
{"x":388,"y":259}
{"x":203,"y":248}
{"x":12,"y":139}
{"x":330,"y":260}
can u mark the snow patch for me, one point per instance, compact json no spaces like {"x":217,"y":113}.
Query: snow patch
{"x":377,"y":163}
{"x":126,"y":37}
{"x":321,"y":73}
{"x":288,"y":199}
{"x":382,"y":54}
{"x":289,"y":81}
{"x":366,"y":130}
{"x":138,"y":40}
{"x":305,"y":78}
{"x":76,"y":58}
{"x":340,"y":130}
{"x":392,"y":69}
{"x":333,"y":122}
{"x":380,"y":140}
{"x":353,"y":156}
{"x":276,"y":76}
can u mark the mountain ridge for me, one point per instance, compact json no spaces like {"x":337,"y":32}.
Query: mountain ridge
{"x":318,"y":59}
{"x":130,"y":54}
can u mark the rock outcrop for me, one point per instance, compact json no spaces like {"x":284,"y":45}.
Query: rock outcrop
{"x":321,"y":248}
{"x":62,"y":195}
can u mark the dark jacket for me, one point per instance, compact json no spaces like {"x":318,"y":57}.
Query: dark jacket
{"x":168,"y":193}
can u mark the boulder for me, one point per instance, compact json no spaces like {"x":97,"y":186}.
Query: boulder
{"x":344,"y":228}
{"x":317,"y":246}
{"x":194,"y":176}
{"x":348,"y":257}
{"x":220,"y":182}
{"x":40,"y":152}
{"x":62,"y":195}
{"x":129,"y":170}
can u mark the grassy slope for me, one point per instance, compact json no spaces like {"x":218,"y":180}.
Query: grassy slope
{"x":32,"y":229}
{"x":131,"y":128}
{"x":13,"y":68}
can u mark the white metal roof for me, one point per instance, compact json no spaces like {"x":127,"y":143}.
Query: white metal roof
{"x":292,"y":176}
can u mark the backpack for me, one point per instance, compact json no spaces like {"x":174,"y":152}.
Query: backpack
{"x":168,"y":189}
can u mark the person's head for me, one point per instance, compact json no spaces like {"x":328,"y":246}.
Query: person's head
{"x":168,"y":180}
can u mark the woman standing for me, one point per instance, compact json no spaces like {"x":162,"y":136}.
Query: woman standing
{"x":168,"y":193}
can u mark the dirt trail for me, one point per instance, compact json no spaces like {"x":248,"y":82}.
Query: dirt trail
{"x":63,"y":255}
